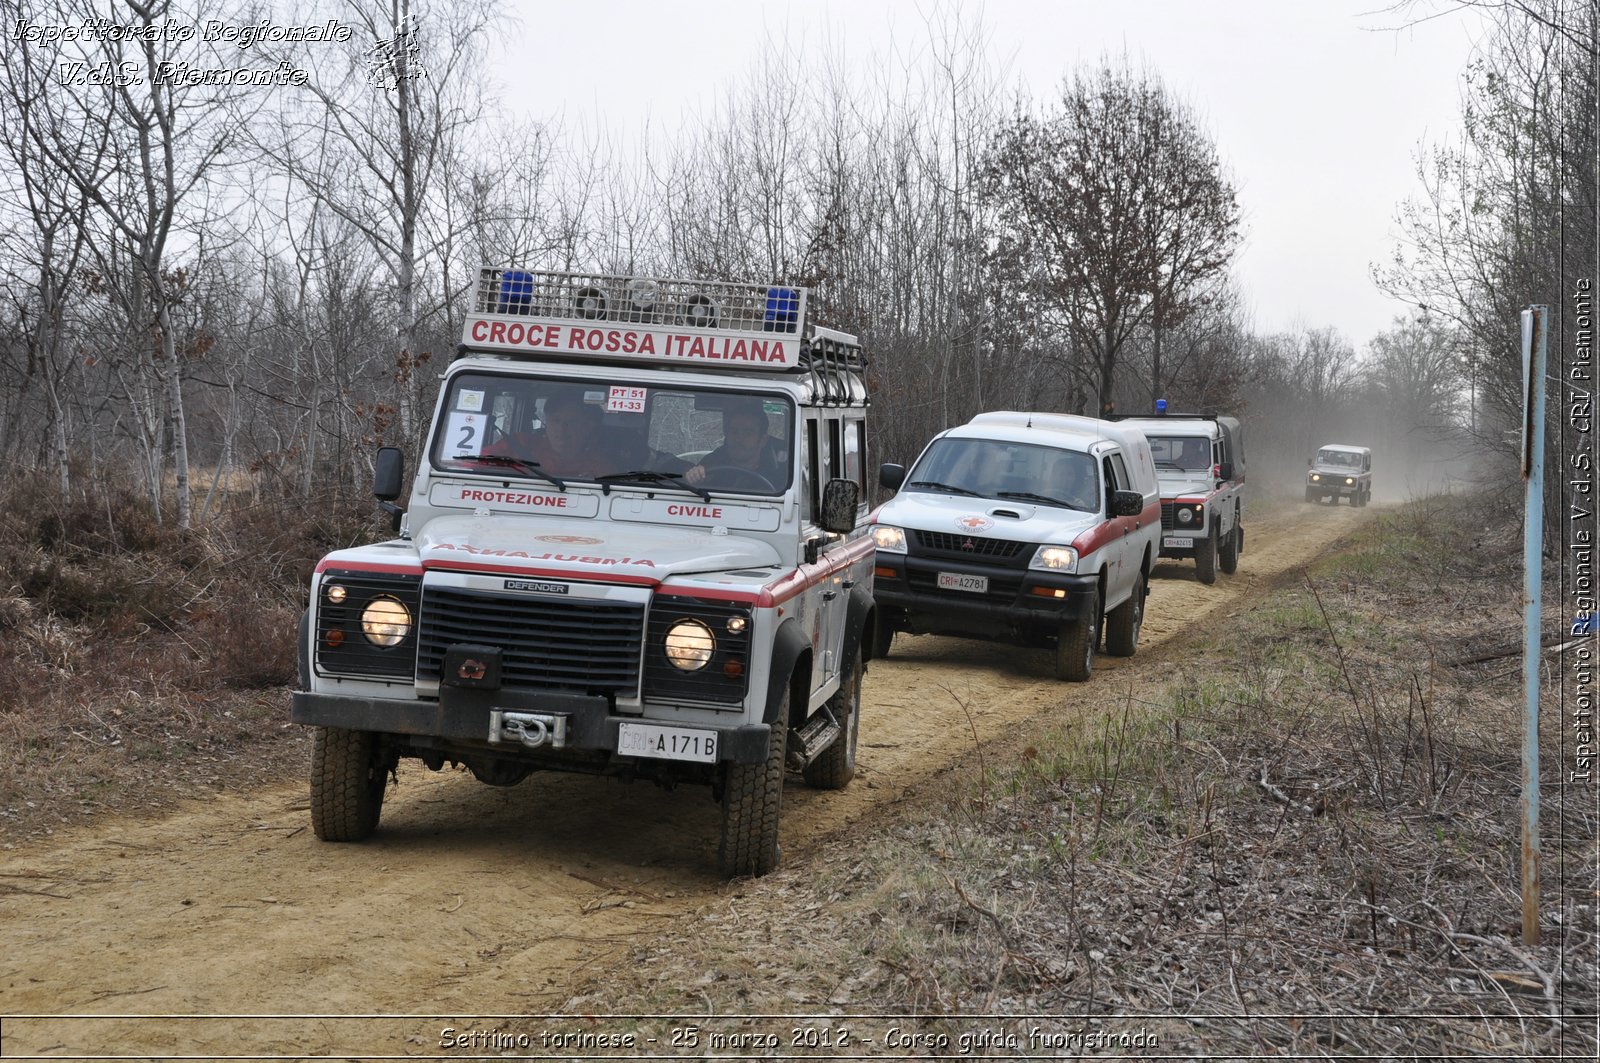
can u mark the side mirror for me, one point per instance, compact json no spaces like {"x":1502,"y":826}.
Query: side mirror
{"x":387,"y":482}
{"x":1310,"y":462}
{"x":1225,"y":471}
{"x":387,"y":476}
{"x":891,"y":475}
{"x":1127,"y":504}
{"x":839,"y":503}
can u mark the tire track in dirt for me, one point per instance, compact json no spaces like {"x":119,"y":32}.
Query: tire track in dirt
{"x":473,"y":900}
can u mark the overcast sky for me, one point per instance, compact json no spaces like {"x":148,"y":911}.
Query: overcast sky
{"x":1318,"y":106}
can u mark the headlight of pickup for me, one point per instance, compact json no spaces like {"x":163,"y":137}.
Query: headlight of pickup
{"x":1191,"y":514}
{"x":889,"y":538}
{"x":1055,"y":559}
{"x":1349,"y":481}
{"x":366,"y":623}
{"x":689,"y":645}
{"x":1316,"y":478}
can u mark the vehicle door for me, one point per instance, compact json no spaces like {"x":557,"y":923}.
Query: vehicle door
{"x":823,"y":602}
{"x":1119,"y":568}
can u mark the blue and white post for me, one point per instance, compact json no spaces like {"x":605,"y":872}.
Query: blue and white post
{"x":1535,"y":332}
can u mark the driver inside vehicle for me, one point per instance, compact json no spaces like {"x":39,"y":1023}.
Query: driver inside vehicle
{"x":745,"y":454}
{"x":569,"y":442}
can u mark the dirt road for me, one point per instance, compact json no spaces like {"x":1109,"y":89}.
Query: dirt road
{"x":471,"y":900}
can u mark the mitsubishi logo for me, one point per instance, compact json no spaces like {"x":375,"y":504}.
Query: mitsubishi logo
{"x":968,"y":545}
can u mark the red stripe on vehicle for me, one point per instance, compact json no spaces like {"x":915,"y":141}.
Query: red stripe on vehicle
{"x":367,"y":566}
{"x":548,"y":573}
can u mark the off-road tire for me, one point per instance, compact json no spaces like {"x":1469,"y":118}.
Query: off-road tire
{"x":347,"y":783}
{"x":836,"y":766}
{"x":752,"y":796}
{"x":1123,"y":623}
{"x":1228,"y":552}
{"x":882,"y":639}
{"x":1312,"y":496}
{"x":1076,"y":645}
{"x":1205,"y":559}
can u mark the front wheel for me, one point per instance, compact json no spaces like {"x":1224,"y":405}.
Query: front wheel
{"x":1311,"y":496}
{"x":1123,"y":623}
{"x":836,"y":766}
{"x":347,"y":782}
{"x":882,"y":638}
{"x":1205,"y":558}
{"x":1228,"y":554}
{"x":1076,"y":645}
{"x":752,"y":795}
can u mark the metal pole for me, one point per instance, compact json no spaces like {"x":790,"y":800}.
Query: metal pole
{"x":1534,"y":342}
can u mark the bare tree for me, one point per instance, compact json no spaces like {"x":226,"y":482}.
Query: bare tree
{"x":1111,"y":206}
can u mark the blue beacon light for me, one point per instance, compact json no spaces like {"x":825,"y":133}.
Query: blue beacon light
{"x":783,"y":309}
{"x":1161,"y":405}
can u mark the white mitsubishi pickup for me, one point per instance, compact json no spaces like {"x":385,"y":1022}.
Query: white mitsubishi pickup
{"x":1032,"y":528}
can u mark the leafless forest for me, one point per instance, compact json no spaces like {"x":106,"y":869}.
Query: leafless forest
{"x":232,"y":293}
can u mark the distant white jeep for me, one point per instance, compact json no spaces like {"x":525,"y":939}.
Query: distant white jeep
{"x":1340,"y":471}
{"x":1200,"y":461}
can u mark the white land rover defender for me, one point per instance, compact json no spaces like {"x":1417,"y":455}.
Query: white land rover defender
{"x":1200,"y":462}
{"x":637,"y":546}
{"x":1340,"y":471}
{"x":1030,"y":528}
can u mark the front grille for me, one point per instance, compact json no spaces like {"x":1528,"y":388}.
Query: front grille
{"x":1167,"y":520}
{"x":725,"y":677}
{"x":966,"y":545}
{"x":585,"y":646}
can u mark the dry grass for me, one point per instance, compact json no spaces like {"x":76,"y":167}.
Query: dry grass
{"x":1304,"y":845}
{"x":145,"y":664}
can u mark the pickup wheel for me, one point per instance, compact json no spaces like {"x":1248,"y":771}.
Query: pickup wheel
{"x":1076,"y":645}
{"x":882,"y":639}
{"x":1123,"y":623}
{"x":1312,"y":496}
{"x":347,"y":782}
{"x":1228,"y":552}
{"x":1205,"y":558}
{"x":752,"y":795}
{"x":834,"y":769}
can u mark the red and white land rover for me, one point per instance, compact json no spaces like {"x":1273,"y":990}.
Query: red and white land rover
{"x":636,"y":546}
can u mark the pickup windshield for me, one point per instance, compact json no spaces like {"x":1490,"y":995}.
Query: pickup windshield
{"x":1026,"y":472}
{"x":639,"y":433}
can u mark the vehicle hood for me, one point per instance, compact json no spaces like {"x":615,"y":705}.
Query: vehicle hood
{"x":989,"y":518}
{"x":1333,"y":470}
{"x":1177,"y":484}
{"x":585,"y":548}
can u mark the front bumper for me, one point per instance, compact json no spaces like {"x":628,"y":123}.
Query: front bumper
{"x":463,"y":718}
{"x":906,"y":591}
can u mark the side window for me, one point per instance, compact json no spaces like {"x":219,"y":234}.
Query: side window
{"x":1124,"y":481}
{"x":855,"y":447}
{"x":1113,"y":485}
{"x":810,"y":502}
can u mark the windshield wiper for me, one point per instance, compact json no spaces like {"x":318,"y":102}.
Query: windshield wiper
{"x":937,"y":486}
{"x":1029,"y":496}
{"x":1170,"y":465}
{"x":526,"y":468}
{"x":651,"y":476}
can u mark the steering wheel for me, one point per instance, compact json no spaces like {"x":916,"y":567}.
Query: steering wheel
{"x":739,"y":474}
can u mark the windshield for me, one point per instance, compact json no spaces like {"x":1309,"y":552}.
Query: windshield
{"x":1343,"y":459}
{"x":1185,"y":453}
{"x":552,"y":429}
{"x":997,"y":469}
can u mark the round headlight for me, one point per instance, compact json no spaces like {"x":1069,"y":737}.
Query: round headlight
{"x":1315,"y":478}
{"x":1348,"y":481}
{"x":689,"y":644}
{"x":385,"y":621}
{"x":1185,"y":516}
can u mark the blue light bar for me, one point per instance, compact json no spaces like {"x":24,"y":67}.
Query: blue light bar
{"x":1161,"y":405}
{"x":516,"y":292}
{"x":783,"y":310}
